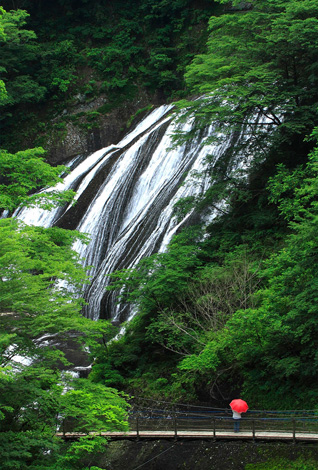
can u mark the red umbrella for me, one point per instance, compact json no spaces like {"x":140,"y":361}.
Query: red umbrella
{"x":239,"y":405}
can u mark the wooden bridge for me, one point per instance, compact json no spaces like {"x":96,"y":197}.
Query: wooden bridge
{"x":216,"y":424}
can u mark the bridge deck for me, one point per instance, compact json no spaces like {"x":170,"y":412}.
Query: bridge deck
{"x":258,"y":435}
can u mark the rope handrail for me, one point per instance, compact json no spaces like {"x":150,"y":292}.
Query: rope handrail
{"x":215,"y":409}
{"x":226,"y":411}
{"x":151,"y":411}
{"x":224,"y":418}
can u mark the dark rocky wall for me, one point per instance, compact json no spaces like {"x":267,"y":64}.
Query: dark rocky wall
{"x":198,"y":454}
{"x":106,"y":130}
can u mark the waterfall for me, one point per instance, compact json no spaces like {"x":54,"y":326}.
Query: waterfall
{"x":125,"y":198}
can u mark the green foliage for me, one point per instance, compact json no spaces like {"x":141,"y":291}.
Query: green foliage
{"x":94,"y":407}
{"x":247,"y":52}
{"x":273,"y":345}
{"x":33,"y":261}
{"x":25,"y":172}
{"x":214,"y":295}
{"x":136,"y":364}
{"x":273,"y":42}
{"x":35,"y":406}
{"x":40,"y":307}
{"x":138,"y":114}
{"x":35,"y":308}
{"x":3,"y":93}
{"x":59,"y":60}
{"x":282,"y":464}
{"x":156,"y":279}
{"x":118,"y":50}
{"x":18,"y":54}
{"x":183,"y":206}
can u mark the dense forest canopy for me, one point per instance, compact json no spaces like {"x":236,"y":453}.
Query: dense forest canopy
{"x":70,"y":51}
{"x":230,"y":307}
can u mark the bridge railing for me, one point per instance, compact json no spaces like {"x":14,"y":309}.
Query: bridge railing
{"x":216,"y":424}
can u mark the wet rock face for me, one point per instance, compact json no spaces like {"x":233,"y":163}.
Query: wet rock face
{"x":83,"y":142}
{"x":74,"y":350}
{"x":105,"y":130}
{"x":74,"y":143}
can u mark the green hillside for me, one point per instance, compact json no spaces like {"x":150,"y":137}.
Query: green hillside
{"x":231,"y":308}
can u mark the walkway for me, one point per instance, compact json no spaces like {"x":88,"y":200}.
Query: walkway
{"x":217,"y":424}
{"x":219,"y":435}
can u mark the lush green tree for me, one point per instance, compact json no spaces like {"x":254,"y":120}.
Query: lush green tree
{"x":3,"y":92}
{"x":38,"y":406}
{"x":258,"y":78}
{"x":41,"y":277}
{"x":153,"y":283}
{"x":212,"y":296}
{"x":19,"y":52}
{"x":23,"y":173}
{"x":34,"y":261}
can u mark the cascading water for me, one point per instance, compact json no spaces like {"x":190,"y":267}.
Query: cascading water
{"x":125,"y":198}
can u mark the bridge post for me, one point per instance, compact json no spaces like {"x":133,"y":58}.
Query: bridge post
{"x":175,"y":425}
{"x":253,"y":428}
{"x":294,"y":431}
{"x":214,"y":436}
{"x":137,"y":427}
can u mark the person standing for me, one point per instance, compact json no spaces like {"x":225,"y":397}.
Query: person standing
{"x":236,"y":417}
{"x":238,"y":406}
